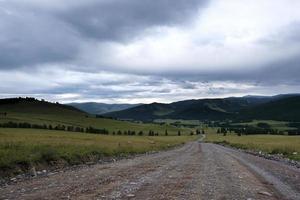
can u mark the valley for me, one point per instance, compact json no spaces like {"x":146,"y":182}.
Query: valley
{"x":54,"y":151}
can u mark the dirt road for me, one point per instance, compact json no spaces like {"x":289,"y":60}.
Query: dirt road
{"x":194,"y":171}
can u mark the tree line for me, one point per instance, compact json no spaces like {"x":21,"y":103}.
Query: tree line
{"x":89,"y":129}
{"x":58,"y":127}
{"x":250,"y":130}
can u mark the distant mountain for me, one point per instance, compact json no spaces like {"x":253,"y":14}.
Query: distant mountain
{"x":189,"y":109}
{"x":101,"y":108}
{"x":213,"y":109}
{"x":280,"y":107}
{"x":144,"y":112}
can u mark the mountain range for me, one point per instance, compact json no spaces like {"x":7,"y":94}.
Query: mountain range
{"x":280,"y":107}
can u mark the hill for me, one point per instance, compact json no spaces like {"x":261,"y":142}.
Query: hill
{"x":283,"y":109}
{"x":248,"y":107}
{"x":33,"y":111}
{"x":201,"y":109}
{"x":145,"y":112}
{"x":101,"y":108}
{"x":45,"y":135}
{"x":34,"y":106}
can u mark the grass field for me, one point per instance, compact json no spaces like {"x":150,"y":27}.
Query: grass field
{"x":279,"y":125}
{"x":83,"y":120}
{"x":179,"y":121}
{"x":22,"y":148}
{"x":273,"y":144}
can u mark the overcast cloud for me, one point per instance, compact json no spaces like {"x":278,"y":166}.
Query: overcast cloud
{"x":137,"y":51}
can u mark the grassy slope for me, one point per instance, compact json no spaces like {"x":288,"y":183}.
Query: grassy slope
{"x":21,"y":148}
{"x":83,"y":121}
{"x":37,"y":107}
{"x":37,"y":112}
{"x":272,"y":144}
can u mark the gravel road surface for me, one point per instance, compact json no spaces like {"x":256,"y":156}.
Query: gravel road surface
{"x":193,"y":171}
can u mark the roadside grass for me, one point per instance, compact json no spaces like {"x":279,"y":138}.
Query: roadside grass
{"x":85,"y":120}
{"x":288,"y":146}
{"x":20,"y":149}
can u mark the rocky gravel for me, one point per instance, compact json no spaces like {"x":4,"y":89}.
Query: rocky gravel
{"x":194,"y":171}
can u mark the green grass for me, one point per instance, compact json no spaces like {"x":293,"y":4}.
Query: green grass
{"x":81,"y":120}
{"x":22,"y":148}
{"x":181,"y":121}
{"x":273,"y":144}
{"x":279,"y":125}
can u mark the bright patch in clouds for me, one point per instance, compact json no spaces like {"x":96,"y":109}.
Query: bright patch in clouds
{"x":225,"y":36}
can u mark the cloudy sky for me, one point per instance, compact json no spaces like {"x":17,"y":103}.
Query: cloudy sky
{"x":140,"y":51}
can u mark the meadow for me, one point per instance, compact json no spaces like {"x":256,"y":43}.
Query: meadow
{"x":288,"y":146}
{"x":85,"y":120}
{"x":179,"y":121}
{"x":20,"y":149}
{"x":279,"y":125}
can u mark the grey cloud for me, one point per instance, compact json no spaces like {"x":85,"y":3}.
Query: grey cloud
{"x":188,"y":85}
{"x":289,"y":34}
{"x":285,"y":71}
{"x":36,"y":34}
{"x":97,"y":90}
{"x":162,"y":91}
{"x":31,"y":35}
{"x":27,"y":39}
{"x":119,"y":20}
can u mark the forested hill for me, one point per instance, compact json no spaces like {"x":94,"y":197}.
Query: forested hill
{"x":279,"y":107}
